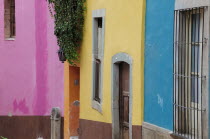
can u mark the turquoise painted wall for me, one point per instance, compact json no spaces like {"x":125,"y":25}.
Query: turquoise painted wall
{"x":159,"y":63}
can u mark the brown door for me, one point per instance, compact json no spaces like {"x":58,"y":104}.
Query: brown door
{"x":124,"y":100}
{"x":74,"y":100}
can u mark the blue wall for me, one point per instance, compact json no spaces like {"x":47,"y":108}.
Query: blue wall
{"x":159,"y":63}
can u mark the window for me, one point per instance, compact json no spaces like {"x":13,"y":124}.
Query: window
{"x":9,"y":18}
{"x":97,"y":80}
{"x":98,"y":50}
{"x":188,"y":72}
{"x":97,"y":58}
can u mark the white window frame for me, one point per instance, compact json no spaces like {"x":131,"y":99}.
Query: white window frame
{"x":100,"y":13}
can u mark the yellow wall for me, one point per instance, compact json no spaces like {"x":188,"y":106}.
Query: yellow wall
{"x":124,"y":32}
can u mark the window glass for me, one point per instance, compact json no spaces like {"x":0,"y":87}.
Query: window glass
{"x":97,"y":79}
{"x":98,"y":28}
{"x":194,"y":89}
{"x":195,"y":59}
{"x":9,"y":19}
{"x":195,"y":27}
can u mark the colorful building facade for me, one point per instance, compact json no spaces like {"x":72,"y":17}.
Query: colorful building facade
{"x":111,"y":69}
{"x":143,"y":71}
{"x":31,"y":77}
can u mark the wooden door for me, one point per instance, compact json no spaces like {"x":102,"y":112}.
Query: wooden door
{"x":74,"y":77}
{"x":124,"y":100}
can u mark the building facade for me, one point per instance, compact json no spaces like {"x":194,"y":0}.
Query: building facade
{"x":110,"y":69}
{"x":177,"y":70}
{"x":31,"y":77}
{"x":143,"y":71}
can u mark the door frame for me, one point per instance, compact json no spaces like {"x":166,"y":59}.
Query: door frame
{"x":67,"y":95}
{"x":116,"y":59}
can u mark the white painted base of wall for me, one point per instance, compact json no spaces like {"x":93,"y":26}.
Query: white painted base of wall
{"x":151,"y":131}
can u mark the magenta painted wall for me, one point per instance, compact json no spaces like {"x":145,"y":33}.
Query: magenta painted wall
{"x":31,"y":77}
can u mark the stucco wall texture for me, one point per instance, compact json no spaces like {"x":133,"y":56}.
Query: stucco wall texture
{"x":124,"y":32}
{"x":31,"y":77}
{"x":158,"y":109}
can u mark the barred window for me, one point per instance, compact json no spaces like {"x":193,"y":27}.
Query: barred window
{"x":188,"y":72}
{"x":9,"y":18}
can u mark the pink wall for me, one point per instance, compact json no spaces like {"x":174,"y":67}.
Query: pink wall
{"x":31,"y":77}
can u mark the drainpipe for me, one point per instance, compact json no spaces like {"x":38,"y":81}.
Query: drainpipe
{"x":55,"y":123}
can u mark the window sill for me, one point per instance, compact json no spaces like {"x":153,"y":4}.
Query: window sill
{"x":9,"y":39}
{"x":97,"y":106}
{"x":177,"y":136}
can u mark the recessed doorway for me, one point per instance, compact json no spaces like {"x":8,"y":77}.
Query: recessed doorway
{"x":121,"y":96}
{"x":124,"y":100}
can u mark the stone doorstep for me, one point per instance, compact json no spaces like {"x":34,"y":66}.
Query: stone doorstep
{"x":74,"y":137}
{"x":151,"y":131}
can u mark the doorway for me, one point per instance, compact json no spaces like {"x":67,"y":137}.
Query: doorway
{"x":124,"y":100}
{"x":121,"y":96}
{"x":74,"y":101}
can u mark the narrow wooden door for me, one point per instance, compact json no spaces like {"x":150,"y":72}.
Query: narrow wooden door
{"x":124,"y":100}
{"x":74,"y":76}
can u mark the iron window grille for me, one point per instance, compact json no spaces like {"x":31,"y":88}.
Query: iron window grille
{"x":188,"y":73}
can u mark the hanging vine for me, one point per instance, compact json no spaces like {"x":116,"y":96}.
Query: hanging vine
{"x":69,"y":23}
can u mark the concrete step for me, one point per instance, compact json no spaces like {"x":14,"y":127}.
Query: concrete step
{"x":74,"y":137}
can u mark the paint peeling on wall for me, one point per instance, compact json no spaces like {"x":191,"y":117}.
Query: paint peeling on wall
{"x":160,"y":101}
{"x":20,"y":106}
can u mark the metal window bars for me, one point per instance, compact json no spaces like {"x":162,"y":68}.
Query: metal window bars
{"x":187,"y":72}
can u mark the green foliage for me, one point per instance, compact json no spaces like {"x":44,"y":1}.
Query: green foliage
{"x":69,"y":23}
{"x":3,"y":137}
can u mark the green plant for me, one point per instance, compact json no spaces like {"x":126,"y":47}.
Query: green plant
{"x":69,"y":23}
{"x":3,"y":137}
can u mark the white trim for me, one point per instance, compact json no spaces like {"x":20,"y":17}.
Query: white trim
{"x":9,"y":39}
{"x":100,"y":13}
{"x":184,"y":4}
{"x":156,"y":128}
